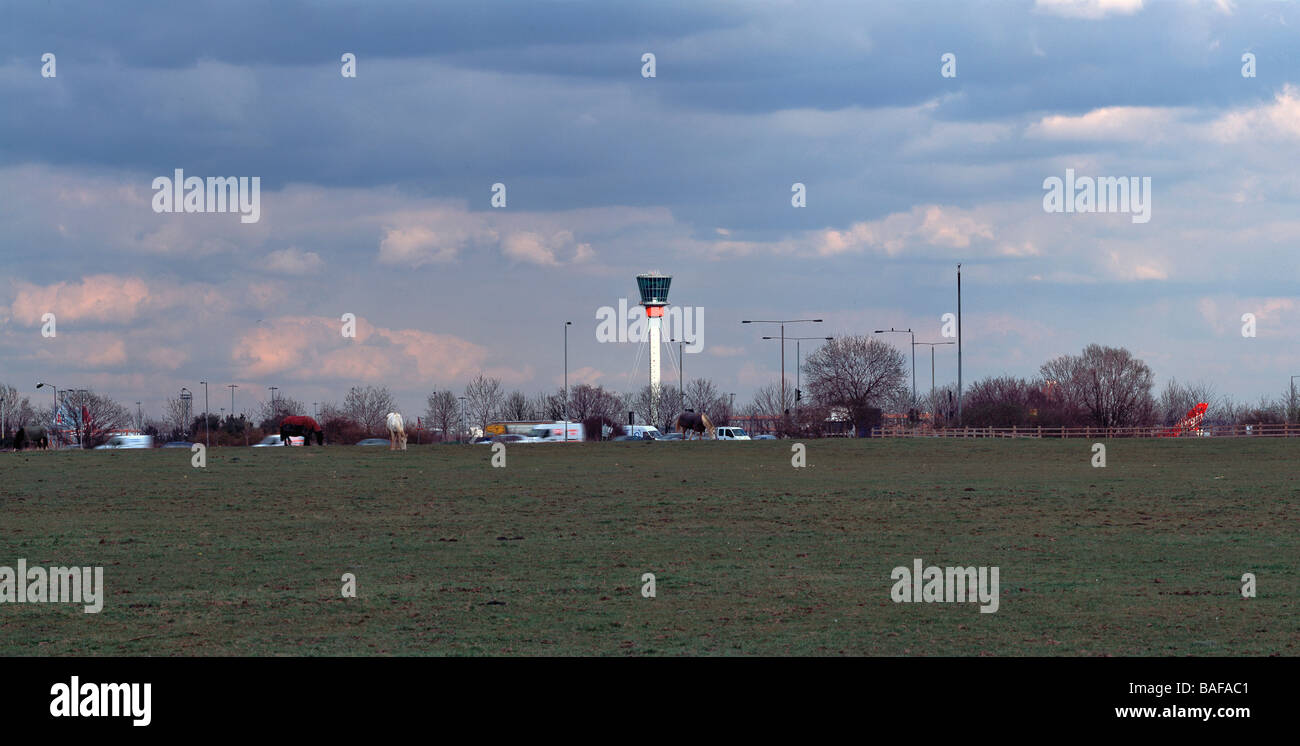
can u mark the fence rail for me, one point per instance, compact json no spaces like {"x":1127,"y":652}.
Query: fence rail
{"x":1290,"y":430}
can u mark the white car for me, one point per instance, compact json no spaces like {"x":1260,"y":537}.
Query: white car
{"x":274,"y":440}
{"x":127,"y":441}
{"x":731,"y":433}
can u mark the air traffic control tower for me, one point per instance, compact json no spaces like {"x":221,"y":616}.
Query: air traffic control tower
{"x":654,"y":296}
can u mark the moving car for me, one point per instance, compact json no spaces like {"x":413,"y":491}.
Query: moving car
{"x":765,"y":436}
{"x":178,"y":444}
{"x":274,"y":440}
{"x":374,"y":442}
{"x":559,"y":432}
{"x":507,"y":438}
{"x":732,"y":433}
{"x":127,"y":441}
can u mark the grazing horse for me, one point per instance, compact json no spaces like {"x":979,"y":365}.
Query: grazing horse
{"x":396,"y":432}
{"x":301,"y":425}
{"x":34,"y":436}
{"x":695,"y":422}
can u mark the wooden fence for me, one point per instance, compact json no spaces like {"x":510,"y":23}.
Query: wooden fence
{"x":1289,"y":430}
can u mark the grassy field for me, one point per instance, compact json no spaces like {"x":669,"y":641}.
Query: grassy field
{"x":751,"y":556}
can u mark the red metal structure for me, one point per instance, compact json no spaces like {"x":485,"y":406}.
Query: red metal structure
{"x":1190,"y":423}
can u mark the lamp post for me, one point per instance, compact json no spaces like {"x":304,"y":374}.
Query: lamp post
{"x":274,"y":412}
{"x":782,"y":322}
{"x":567,"y":324}
{"x":906,"y":331}
{"x":232,"y":387}
{"x":681,"y":371}
{"x":959,"y":344}
{"x":139,"y":419}
{"x":207,"y":436}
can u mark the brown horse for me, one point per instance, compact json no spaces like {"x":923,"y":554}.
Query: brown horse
{"x":695,"y":422}
{"x":33,"y":436}
{"x":300,"y":425}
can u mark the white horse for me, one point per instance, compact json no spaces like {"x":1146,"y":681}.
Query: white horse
{"x":396,"y":432}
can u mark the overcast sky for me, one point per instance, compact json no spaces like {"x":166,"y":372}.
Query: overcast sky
{"x":376,"y":190}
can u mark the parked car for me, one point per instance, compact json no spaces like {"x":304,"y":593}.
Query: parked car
{"x":672,"y":436}
{"x":374,"y":442}
{"x":732,"y":433}
{"x":765,"y":436}
{"x":274,"y":440}
{"x":178,"y":444}
{"x":127,"y":441}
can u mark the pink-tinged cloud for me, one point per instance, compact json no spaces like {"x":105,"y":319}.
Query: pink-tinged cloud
{"x":105,"y":298}
{"x":314,"y":348}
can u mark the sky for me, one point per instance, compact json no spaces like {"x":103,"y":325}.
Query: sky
{"x":376,"y":191}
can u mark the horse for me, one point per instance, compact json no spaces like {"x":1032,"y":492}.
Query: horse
{"x":396,"y":432}
{"x":696,"y":422}
{"x":301,"y":425}
{"x":36,"y":436}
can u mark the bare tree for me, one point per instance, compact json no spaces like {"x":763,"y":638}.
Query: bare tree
{"x":15,"y":411}
{"x":587,"y":401}
{"x":442,"y":410}
{"x":702,"y":395}
{"x":664,"y":401}
{"x":549,"y":406}
{"x":1108,"y":382}
{"x":369,"y":407}
{"x":483,"y":398}
{"x":853,"y":372}
{"x":517,"y":407}
{"x":90,"y":418}
{"x":268,"y":414}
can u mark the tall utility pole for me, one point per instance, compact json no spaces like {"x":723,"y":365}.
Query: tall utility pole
{"x":207,"y":436}
{"x":959,"y":344}
{"x":681,"y":371}
{"x":782,"y":322}
{"x":139,"y":420}
{"x":464,"y":424}
{"x":232,"y":387}
{"x":567,"y":324}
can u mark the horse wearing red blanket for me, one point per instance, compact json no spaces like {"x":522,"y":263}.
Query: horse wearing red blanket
{"x":301,"y":425}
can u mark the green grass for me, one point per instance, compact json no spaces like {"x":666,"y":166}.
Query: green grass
{"x":751,"y":556}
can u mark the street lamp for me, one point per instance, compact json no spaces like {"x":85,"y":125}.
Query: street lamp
{"x":567,"y":324}
{"x":798,"y":365}
{"x":959,"y":344}
{"x":782,"y":322}
{"x":681,"y":371}
{"x":274,"y":412}
{"x":207,"y":437}
{"x":906,"y":331}
{"x":232,"y":387}
{"x":57,"y":416}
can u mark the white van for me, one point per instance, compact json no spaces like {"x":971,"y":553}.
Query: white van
{"x":732,"y":433}
{"x":559,"y":432}
{"x":648,"y":432}
{"x":127,"y":441}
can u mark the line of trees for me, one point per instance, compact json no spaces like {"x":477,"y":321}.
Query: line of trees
{"x":847,"y":383}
